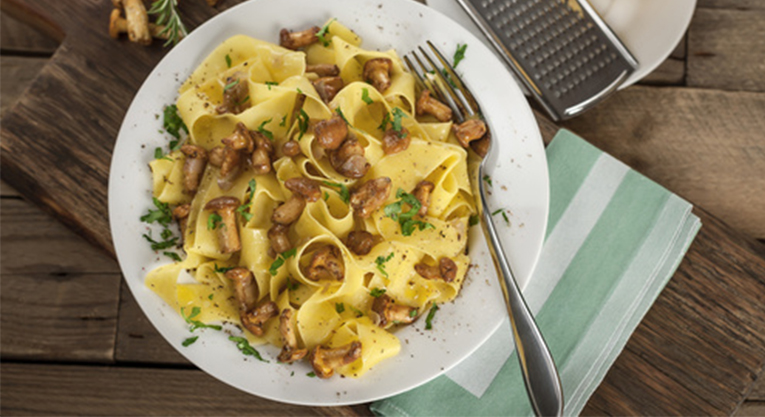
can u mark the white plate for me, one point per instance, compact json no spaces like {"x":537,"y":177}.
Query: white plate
{"x":520,"y":184}
{"x":649,"y":28}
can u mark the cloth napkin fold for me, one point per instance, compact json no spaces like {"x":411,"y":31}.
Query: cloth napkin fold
{"x":614,"y":239}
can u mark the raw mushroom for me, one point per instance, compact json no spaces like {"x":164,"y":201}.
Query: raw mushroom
{"x":422,"y":192}
{"x":323,"y":70}
{"x":331,"y":133}
{"x":469,"y":131}
{"x":395,"y":142}
{"x":429,"y":105}
{"x":328,"y":87}
{"x":305,"y":187}
{"x":295,"y":40}
{"x":389,"y":312}
{"x":137,"y":20}
{"x":348,"y":160}
{"x":254,"y":319}
{"x":290,"y":211}
{"x":326,"y":263}
{"x":236,"y":95}
{"x":446,"y":270}
{"x":245,"y":288}
{"x":118,"y":25}
{"x":360,"y":242}
{"x":193,"y":167}
{"x":370,"y":196}
{"x":377,"y":73}
{"x":228,"y":233}
{"x":290,"y":352}
{"x":325,"y":360}
{"x":181,"y":215}
{"x":280,"y":241}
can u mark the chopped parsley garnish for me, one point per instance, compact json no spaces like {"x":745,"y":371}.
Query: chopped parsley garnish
{"x":228,"y":60}
{"x":487,"y":178}
{"x":406,"y":219}
{"x":292,"y":285}
{"x":158,"y":154}
{"x":459,"y":54}
{"x":504,"y":215}
{"x":196,"y":324}
{"x":365,"y":96}
{"x":339,"y":307}
{"x":284,"y":121}
{"x":311,"y":374}
{"x":356,"y":311}
{"x":342,"y":116}
{"x":431,"y":314}
{"x":385,"y":121}
{"x":413,"y":313}
{"x":244,"y":100}
{"x":231,"y":85}
{"x":279,"y":261}
{"x":326,"y":196}
{"x":172,"y":122}
{"x":303,"y":120}
{"x":473,"y":220}
{"x":162,"y":215}
{"x":324,"y":31}
{"x":190,"y":340}
{"x":299,"y":90}
{"x":395,"y":123}
{"x":222,"y":269}
{"x":167,"y":243}
{"x":342,"y":190}
{"x":244,"y":346}
{"x":377,"y":292}
{"x":244,"y":208}
{"x":210,"y":297}
{"x":262,"y":129}
{"x":213,"y":221}
{"x":172,"y":255}
{"x":271,"y":83}
{"x":380,"y":261}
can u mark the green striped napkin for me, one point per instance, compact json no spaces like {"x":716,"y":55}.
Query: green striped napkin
{"x":614,"y":239}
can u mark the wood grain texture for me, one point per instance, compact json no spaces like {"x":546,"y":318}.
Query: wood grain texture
{"x":751,"y":409}
{"x":704,"y":145}
{"x":16,"y":73}
{"x":8,"y":191}
{"x":672,"y":70}
{"x":18,"y":38}
{"x":726,"y":49}
{"x":702,"y":343}
{"x":33,"y":389}
{"x":758,"y":390}
{"x":59,"y":295}
{"x":732,"y":4}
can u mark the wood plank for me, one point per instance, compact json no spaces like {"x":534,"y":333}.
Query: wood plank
{"x":732,"y":4}
{"x":137,"y":340}
{"x":18,"y":38}
{"x":7,"y":191}
{"x":59,"y":295}
{"x":758,"y":391}
{"x":704,"y":145}
{"x":751,"y":409}
{"x":726,"y":49}
{"x":672,"y":70}
{"x":702,"y":344}
{"x":34,"y":389}
{"x":16,"y":74}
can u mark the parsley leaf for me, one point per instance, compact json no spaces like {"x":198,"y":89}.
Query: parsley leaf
{"x":339,"y":307}
{"x":284,"y":121}
{"x":172,"y":122}
{"x":487,"y":178}
{"x":459,"y":54}
{"x":196,"y":324}
{"x":266,"y":133}
{"x":244,"y":100}
{"x":228,"y":60}
{"x":271,"y":83}
{"x":473,"y":220}
{"x":190,"y":340}
{"x":385,"y":121}
{"x":163,"y":215}
{"x":311,"y":374}
{"x":324,"y":31}
{"x":431,"y":314}
{"x":365,"y":96}
{"x":231,"y":85}
{"x":504,"y":215}
{"x":172,"y":255}
{"x":406,"y":219}
{"x":160,"y":245}
{"x":214,"y":220}
{"x":380,"y":261}
{"x":244,"y":346}
{"x":377,"y":292}
{"x":244,"y":208}
{"x":302,"y":123}
{"x":280,"y":260}
{"x":158,"y":154}
{"x":413,"y":313}
{"x":342,"y":190}
{"x":222,"y":269}
{"x":342,"y":116}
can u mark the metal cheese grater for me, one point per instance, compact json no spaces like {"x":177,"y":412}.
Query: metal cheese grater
{"x":564,"y":53}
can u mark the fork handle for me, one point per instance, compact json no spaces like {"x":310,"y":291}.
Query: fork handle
{"x":539,"y":373}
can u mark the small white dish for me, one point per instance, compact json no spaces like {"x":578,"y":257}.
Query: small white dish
{"x":520,"y":185}
{"x":649,"y":28}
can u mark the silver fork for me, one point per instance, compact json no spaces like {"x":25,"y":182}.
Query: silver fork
{"x":539,"y":373}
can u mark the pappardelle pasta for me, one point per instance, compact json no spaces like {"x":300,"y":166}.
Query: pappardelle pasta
{"x":321,"y":202}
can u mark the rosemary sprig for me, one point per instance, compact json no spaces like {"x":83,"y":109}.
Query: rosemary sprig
{"x":167,"y":15}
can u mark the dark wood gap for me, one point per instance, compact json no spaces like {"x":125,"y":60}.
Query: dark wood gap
{"x":25,"y":54}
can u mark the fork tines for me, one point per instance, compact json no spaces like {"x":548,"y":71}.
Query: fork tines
{"x":443,"y":83}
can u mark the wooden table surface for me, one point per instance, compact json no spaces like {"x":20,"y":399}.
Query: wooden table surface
{"x":74,"y":341}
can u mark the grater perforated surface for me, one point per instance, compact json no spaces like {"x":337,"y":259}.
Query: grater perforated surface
{"x":561,"y":49}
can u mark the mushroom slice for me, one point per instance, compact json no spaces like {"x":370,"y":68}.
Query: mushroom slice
{"x":305,"y":187}
{"x":328,"y":87}
{"x":422,"y":192}
{"x":193,"y":167}
{"x":331,"y":133}
{"x":377,"y":73}
{"x":181,"y":215}
{"x":291,"y":148}
{"x":348,"y":160}
{"x":255,"y":319}
{"x":325,"y":360}
{"x":290,"y":211}
{"x":323,"y":70}
{"x":395,"y":142}
{"x":360,"y":242}
{"x":445,"y":271}
{"x":240,"y":140}
{"x":245,"y":288}
{"x":280,"y":241}
{"x":326,"y":264}
{"x":295,"y":40}
{"x":236,"y":95}
{"x":370,"y":196}
{"x":290,"y":352}
{"x":228,"y":233}
{"x":469,"y":131}
{"x":388,"y":312}
{"x":429,"y":105}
